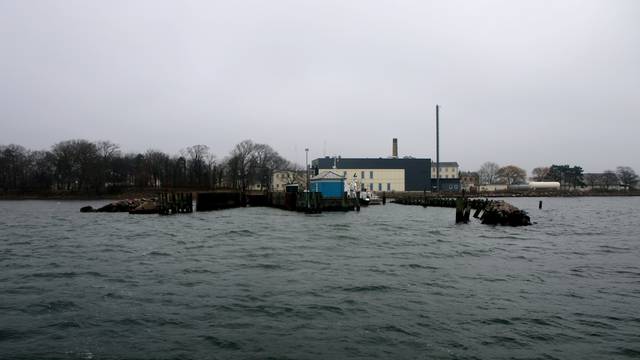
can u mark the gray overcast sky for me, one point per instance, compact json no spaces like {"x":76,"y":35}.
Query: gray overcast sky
{"x":523,"y":82}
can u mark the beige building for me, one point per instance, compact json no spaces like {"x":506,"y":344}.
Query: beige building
{"x":281,"y":178}
{"x":448,"y":170}
{"x":374,"y":179}
{"x":469,"y":180}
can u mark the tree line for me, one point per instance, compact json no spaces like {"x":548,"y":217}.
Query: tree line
{"x":101,"y":167}
{"x":570,"y":177}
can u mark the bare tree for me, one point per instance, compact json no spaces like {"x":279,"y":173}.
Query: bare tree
{"x":41,"y":170}
{"x":627,"y":176}
{"x":511,"y":174}
{"x":77,"y":164}
{"x":107,"y":149}
{"x":157,"y":168}
{"x":266,"y":161}
{"x":197,"y":164}
{"x":13,"y":163}
{"x":240,"y":164}
{"x":212,"y":170}
{"x":593,"y":180}
{"x":540,"y":173}
{"x":609,"y":178}
{"x":488,"y":172}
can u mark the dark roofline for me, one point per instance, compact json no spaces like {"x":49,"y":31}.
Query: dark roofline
{"x":370,"y":158}
{"x":446,"y":163}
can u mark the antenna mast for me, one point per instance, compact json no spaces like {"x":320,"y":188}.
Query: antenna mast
{"x":438,"y":147}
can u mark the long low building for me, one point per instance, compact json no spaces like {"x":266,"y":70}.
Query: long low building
{"x":390,"y":174}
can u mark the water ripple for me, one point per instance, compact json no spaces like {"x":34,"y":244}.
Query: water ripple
{"x":388,"y":282}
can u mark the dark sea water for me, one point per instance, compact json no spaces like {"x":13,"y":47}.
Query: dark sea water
{"x":392,"y":282}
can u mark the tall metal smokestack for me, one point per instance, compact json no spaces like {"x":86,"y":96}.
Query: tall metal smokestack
{"x":394,"y":150}
{"x":438,"y":147}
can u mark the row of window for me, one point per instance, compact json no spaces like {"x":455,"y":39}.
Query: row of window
{"x":433,"y":170}
{"x":344,"y":173}
{"x":362,"y":173}
{"x":379,"y":186}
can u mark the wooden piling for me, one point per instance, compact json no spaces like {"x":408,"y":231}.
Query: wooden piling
{"x":466,"y":213}
{"x":459,"y":210}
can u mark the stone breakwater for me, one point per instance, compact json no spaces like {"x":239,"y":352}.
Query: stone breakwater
{"x":490,"y":212}
{"x":132,"y":206}
{"x":503,"y":213}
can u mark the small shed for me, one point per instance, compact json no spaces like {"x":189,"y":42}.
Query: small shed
{"x":329,"y":184}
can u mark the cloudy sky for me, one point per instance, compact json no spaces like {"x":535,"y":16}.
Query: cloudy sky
{"x":520,"y":82}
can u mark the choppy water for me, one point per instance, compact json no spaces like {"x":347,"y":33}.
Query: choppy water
{"x":388,"y":282}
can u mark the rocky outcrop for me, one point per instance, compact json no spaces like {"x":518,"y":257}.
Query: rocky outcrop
{"x":502,"y":213}
{"x":147,"y":207}
{"x":133,"y":206}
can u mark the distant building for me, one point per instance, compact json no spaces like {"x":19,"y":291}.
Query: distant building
{"x":447,"y":185}
{"x":449,"y":176}
{"x":393,"y":173}
{"x":390,"y":174}
{"x":448,"y":170}
{"x":469,"y":180}
{"x":281,"y":178}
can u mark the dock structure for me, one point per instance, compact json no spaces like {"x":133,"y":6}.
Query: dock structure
{"x":490,"y":212}
{"x":311,"y":202}
{"x":171,"y":203}
{"x":218,"y":200}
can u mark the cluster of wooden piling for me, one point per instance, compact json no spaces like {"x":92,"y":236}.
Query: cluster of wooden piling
{"x":170,"y":203}
{"x":309,"y":202}
{"x":207,"y":201}
{"x":491,"y":212}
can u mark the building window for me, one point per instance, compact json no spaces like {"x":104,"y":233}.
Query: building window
{"x":371,"y":186}
{"x":379,"y":186}
{"x":370,"y":174}
{"x":362,"y":174}
{"x":388,"y":186}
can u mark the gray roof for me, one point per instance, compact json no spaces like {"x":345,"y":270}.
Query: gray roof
{"x":445,"y":163}
{"x":328,"y":175}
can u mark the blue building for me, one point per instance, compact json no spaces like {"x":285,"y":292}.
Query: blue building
{"x":329,"y":184}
